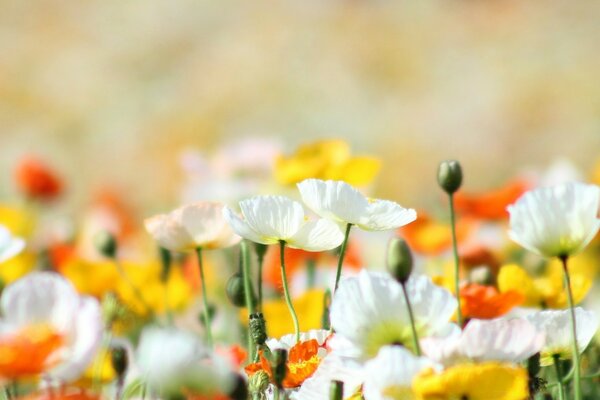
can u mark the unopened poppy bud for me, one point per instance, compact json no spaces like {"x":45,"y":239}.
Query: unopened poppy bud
{"x":106,"y":244}
{"x":165,"y":262}
{"x":336,"y":390}
{"x":399,"y":260}
{"x":260,"y":250}
{"x":211,"y":314}
{"x":258,"y":328}
{"x":119,"y":360}
{"x":258,"y":382}
{"x":235,"y":290}
{"x":278,"y":366}
{"x":481,"y":275}
{"x":450,"y":176}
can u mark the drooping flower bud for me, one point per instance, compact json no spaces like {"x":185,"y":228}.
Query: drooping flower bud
{"x":278,"y":366}
{"x":235,"y":290}
{"x":106,"y":244}
{"x":336,"y":390}
{"x":450,"y":176}
{"x":119,"y":360}
{"x":258,"y":329}
{"x":399,"y":259}
{"x":258,"y":383}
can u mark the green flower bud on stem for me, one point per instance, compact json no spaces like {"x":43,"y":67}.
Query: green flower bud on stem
{"x":450,"y":176}
{"x":260,"y":250}
{"x":106,"y":244}
{"x":336,"y":390}
{"x":165,"y":262}
{"x":119,"y":360}
{"x":399,"y":259}
{"x":258,"y":383}
{"x":258,"y":329}
{"x":235,"y":290}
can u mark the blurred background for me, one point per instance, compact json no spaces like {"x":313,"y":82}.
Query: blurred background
{"x":134,"y":94}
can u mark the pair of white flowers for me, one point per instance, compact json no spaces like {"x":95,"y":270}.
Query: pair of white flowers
{"x":272,"y":219}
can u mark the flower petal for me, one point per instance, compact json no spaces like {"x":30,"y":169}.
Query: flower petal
{"x":317,"y":235}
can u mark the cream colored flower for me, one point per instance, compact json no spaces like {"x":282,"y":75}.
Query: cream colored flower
{"x":556,"y":221}
{"x":556,"y":325}
{"x":271,"y":219}
{"x":192,"y":226}
{"x":501,"y":339}
{"x":369,"y":311}
{"x":340,"y":202}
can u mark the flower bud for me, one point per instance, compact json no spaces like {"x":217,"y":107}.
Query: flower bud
{"x":239,"y":391}
{"x":258,"y":328}
{"x":258,"y":382}
{"x":399,"y":260}
{"x":165,"y":262}
{"x":260,"y":250}
{"x":119,"y":360}
{"x":279,"y":366}
{"x":450,"y":176}
{"x":481,"y":275}
{"x":235,"y":290}
{"x":106,"y":244}
{"x":336,"y":390}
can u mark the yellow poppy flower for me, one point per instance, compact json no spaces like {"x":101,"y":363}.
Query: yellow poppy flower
{"x":486,"y":381}
{"x":17,"y":267}
{"x":326,"y":159}
{"x":309,"y":308}
{"x":547,"y":290}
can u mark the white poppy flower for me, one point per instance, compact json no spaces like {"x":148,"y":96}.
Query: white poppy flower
{"x":172,"y":360}
{"x":389,"y":376}
{"x":501,"y":339}
{"x":340,"y":202}
{"x":556,"y":324}
{"x":192,"y":226}
{"x":10,"y":245}
{"x":271,"y":219}
{"x":46,"y":302}
{"x":331,"y":368}
{"x":369,"y":311}
{"x":556,"y":221}
{"x":288,"y":341}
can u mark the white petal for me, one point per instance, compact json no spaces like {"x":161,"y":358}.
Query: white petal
{"x":205,"y":223}
{"x":276,"y":217}
{"x":40,"y":297}
{"x":167,"y":230}
{"x":335,"y":200}
{"x":244,"y":230}
{"x":10,"y":245}
{"x":317,"y":235}
{"x":386,"y":215}
{"x":84,"y":341}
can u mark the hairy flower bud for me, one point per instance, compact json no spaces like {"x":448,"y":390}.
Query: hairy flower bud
{"x":450,"y":176}
{"x":399,"y":259}
{"x":258,"y":329}
{"x":258,"y":382}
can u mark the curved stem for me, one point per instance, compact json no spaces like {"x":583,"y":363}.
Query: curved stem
{"x":338,"y":273}
{"x":286,"y":291}
{"x":559,"y":378}
{"x":206,"y":314}
{"x":415,"y":337}
{"x":456,"y":260}
{"x":576,"y":359}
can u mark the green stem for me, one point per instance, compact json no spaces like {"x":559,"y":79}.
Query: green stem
{"x":338,"y":273}
{"x":286,"y":291}
{"x":261,"y":259}
{"x":559,"y":378}
{"x":576,"y":359}
{"x":206,"y":314}
{"x":245,"y":255}
{"x":415,"y":337}
{"x":311,"y":273}
{"x":456,"y":260}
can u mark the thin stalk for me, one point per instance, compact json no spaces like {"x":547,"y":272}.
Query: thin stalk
{"x":311,"y":273}
{"x":136,"y":291}
{"x":456,"y":260}
{"x":286,"y":291}
{"x":576,"y":358}
{"x":338,"y":273}
{"x":559,"y":378}
{"x":261,"y":259}
{"x":206,"y":314}
{"x":245,"y":255}
{"x":415,"y":337}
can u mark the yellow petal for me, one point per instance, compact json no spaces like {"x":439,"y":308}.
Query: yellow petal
{"x":513,"y":277}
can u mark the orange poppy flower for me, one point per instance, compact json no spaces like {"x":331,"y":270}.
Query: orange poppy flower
{"x":236,"y":354}
{"x":28,"y":352}
{"x":486,"y":302}
{"x":36,"y":180}
{"x":62,"y":394}
{"x":490,"y":205}
{"x":302,"y":362}
{"x":428,"y":236}
{"x":296,"y":259}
